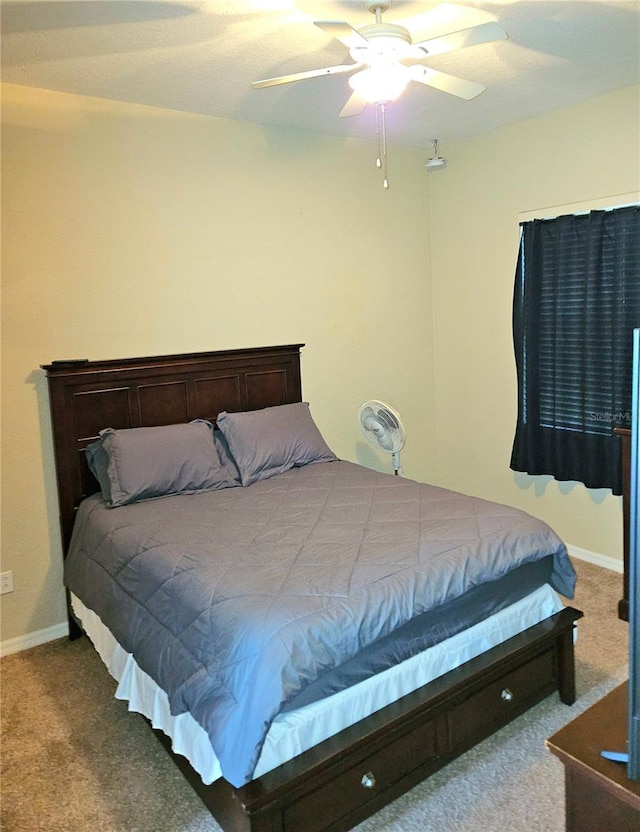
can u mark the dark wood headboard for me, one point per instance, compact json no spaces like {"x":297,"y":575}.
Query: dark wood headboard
{"x":87,"y":396}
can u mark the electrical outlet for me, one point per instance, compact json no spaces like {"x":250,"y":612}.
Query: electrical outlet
{"x":6,"y":582}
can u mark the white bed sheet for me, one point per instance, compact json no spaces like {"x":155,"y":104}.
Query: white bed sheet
{"x":295,"y":731}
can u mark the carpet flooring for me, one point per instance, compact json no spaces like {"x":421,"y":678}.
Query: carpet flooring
{"x":73,"y":759}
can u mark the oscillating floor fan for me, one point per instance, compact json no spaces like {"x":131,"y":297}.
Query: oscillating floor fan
{"x":383,"y":427}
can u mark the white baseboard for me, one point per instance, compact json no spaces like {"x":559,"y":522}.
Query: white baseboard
{"x":15,"y":645}
{"x":606,"y":561}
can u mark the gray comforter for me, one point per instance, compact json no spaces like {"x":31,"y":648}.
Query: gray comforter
{"x":233,"y":601}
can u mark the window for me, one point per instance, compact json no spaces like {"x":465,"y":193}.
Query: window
{"x":576,"y":302}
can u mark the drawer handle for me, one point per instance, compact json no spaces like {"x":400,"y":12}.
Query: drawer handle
{"x":368,"y":780}
{"x":506,"y":695}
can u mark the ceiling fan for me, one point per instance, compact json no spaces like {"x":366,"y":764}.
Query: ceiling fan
{"x":386,"y":60}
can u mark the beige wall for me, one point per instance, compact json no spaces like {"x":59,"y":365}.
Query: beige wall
{"x":575,"y":155}
{"x":134,"y":231}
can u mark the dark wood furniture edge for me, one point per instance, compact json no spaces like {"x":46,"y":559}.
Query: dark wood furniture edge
{"x":243,"y":357}
{"x":411,"y":738}
{"x":599,"y":794}
{"x":625,"y":439}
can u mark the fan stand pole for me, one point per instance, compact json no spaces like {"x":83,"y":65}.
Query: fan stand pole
{"x":397,"y":468}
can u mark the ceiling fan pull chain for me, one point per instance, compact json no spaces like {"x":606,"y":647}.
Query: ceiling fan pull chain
{"x":379,"y":156}
{"x":383,"y":112}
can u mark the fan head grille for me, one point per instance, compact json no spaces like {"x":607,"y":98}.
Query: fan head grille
{"x":381,"y":426}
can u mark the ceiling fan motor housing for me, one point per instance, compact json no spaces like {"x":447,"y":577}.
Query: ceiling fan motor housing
{"x":387,"y":41}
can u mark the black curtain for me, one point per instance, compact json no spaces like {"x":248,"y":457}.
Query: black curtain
{"x":576,"y":302}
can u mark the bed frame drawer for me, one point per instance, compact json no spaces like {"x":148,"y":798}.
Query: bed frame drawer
{"x":368,"y":780}
{"x":499,"y":702}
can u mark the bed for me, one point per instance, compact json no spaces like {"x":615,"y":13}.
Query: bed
{"x":333,"y":775}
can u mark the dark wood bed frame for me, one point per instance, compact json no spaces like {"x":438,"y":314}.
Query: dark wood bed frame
{"x":348,"y":777}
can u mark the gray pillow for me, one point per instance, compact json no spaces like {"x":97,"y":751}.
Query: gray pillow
{"x":269,"y":441}
{"x":140,"y":463}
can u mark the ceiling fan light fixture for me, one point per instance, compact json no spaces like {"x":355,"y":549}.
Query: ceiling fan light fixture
{"x":380,"y":83}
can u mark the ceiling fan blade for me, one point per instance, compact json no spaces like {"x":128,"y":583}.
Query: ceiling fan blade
{"x":354,"y":106}
{"x":474,"y":36}
{"x":446,"y":83}
{"x":342,"y":31}
{"x":301,"y":76}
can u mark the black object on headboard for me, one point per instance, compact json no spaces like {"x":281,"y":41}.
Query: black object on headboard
{"x":87,"y":396}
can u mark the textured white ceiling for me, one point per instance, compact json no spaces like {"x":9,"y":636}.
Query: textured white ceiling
{"x":202,"y":56}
